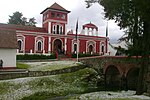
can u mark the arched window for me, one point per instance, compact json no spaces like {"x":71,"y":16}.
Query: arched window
{"x":102,"y":48}
{"x":57,"y":29}
{"x":61,"y":30}
{"x":20,"y":45}
{"x":75,"y":48}
{"x":54,"y":29}
{"x":39,"y":45}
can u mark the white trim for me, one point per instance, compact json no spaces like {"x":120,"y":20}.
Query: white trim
{"x":57,"y":21}
{"x":49,"y":27}
{"x":87,"y":46}
{"x":39,"y":41}
{"x":21,"y":44}
{"x":22,"y":38}
{"x":33,"y":32}
{"x":36,"y":40}
{"x":65,"y":29}
{"x":65,"y":45}
{"x":75,"y":42}
{"x":54,"y":41}
{"x":102,"y":43}
{"x":49,"y":44}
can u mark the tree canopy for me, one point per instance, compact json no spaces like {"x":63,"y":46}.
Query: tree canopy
{"x":18,"y":19}
{"x":133,"y":16}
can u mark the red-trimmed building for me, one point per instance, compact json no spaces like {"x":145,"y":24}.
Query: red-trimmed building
{"x":53,"y":36}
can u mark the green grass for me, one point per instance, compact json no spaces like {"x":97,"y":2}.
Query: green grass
{"x":59,"y":85}
{"x":22,"y":66}
{"x":4,"y":87}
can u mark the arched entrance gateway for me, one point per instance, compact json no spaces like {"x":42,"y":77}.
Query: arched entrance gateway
{"x":57,"y":46}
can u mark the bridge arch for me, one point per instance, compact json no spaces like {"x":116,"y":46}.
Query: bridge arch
{"x":110,"y":65}
{"x":112,"y":76}
{"x":132,"y":78}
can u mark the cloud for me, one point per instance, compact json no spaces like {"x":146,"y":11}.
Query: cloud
{"x":32,"y":8}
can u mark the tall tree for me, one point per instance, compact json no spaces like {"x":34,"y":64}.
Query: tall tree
{"x":18,"y":19}
{"x":133,"y":16}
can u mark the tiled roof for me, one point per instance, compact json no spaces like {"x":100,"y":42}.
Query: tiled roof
{"x":8,"y":39}
{"x":56,"y":6}
{"x":90,"y":25}
{"x":22,"y":28}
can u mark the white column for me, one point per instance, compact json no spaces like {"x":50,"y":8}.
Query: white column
{"x":88,"y":31}
{"x":49,"y":44}
{"x":65,"y":29}
{"x":49,"y":27}
{"x":65,"y":45}
{"x":92,"y":32}
{"x":31,"y":51}
{"x":96,"y":33}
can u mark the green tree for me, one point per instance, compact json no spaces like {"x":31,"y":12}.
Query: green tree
{"x":18,"y":19}
{"x":133,"y":16}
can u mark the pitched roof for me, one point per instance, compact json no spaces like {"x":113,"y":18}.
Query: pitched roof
{"x":56,"y":6}
{"x":8,"y":39}
{"x":22,"y":27}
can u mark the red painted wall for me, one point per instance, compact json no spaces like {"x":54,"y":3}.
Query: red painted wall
{"x":29,"y":43}
{"x":69,"y":45}
{"x":46,"y":44}
{"x":82,"y":46}
{"x":97,"y":46}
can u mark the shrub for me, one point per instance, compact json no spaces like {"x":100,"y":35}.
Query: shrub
{"x":35,"y":57}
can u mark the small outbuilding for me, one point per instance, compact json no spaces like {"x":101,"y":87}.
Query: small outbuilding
{"x":8,"y":47}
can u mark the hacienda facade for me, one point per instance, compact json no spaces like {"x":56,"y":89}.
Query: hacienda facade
{"x":53,"y":37}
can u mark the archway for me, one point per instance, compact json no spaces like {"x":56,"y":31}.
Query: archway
{"x":112,"y":77}
{"x":58,"y":46}
{"x":132,"y":78}
{"x":90,"y":49}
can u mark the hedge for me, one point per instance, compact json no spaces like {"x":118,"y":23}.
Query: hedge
{"x":35,"y":57}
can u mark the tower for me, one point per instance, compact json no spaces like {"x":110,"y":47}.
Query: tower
{"x":55,"y":19}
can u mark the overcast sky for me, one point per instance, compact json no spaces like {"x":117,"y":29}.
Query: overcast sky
{"x":33,"y":8}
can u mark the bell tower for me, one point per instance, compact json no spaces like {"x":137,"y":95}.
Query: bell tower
{"x":55,"y":19}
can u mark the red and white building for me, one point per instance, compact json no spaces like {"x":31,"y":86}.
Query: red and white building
{"x":53,"y":36}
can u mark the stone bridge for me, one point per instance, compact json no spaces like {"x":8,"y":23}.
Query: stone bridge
{"x":118,"y":71}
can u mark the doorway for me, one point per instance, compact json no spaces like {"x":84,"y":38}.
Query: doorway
{"x":58,"y":46}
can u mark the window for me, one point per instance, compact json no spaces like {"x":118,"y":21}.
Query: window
{"x":61,"y":32}
{"x":57,"y":29}
{"x":58,"y":15}
{"x":52,"y":15}
{"x":54,"y":29}
{"x":102,"y":49}
{"x":63,"y":16}
{"x":20,"y":45}
{"x":75,"y":48}
{"x":39,"y":46}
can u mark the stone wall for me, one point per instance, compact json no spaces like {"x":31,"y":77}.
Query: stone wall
{"x":18,"y":74}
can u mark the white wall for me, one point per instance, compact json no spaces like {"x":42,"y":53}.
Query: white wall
{"x":9,"y":57}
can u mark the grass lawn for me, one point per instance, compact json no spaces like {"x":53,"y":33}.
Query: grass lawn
{"x":46,"y":66}
{"x":72,"y":86}
{"x":40,"y":88}
{"x":22,"y":66}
